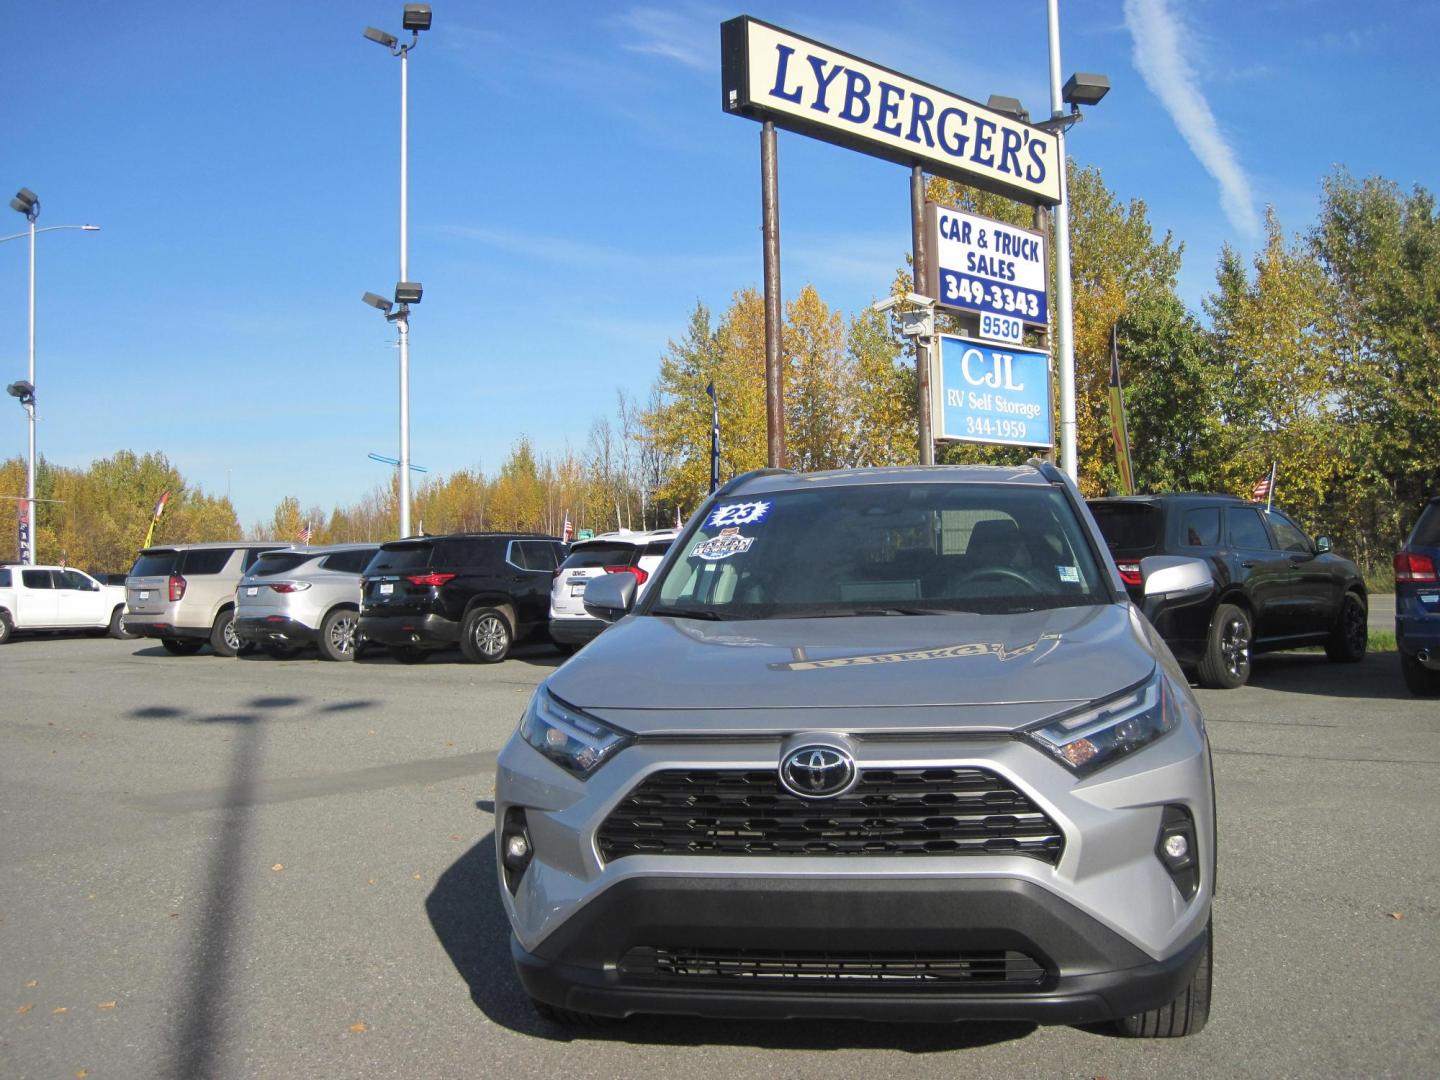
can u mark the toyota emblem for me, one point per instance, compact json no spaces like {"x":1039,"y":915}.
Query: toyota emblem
{"x":817,"y":772}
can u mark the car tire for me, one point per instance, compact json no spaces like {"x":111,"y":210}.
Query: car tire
{"x":339,"y":634}
{"x":485,"y":636}
{"x":1419,"y":680}
{"x":1187,"y":1014}
{"x":7,"y":628}
{"x":223,"y":639}
{"x":1352,"y":632}
{"x":408,"y":654}
{"x":181,"y":646}
{"x":116,"y":629}
{"x":1226,"y":663}
{"x":571,"y":1017}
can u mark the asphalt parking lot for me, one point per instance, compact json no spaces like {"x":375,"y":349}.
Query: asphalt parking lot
{"x":259,"y":868}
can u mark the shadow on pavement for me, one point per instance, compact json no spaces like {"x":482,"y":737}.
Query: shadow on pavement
{"x":1377,"y":676}
{"x":466,"y":914}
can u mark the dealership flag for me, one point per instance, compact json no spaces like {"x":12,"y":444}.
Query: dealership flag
{"x":1265,"y":488}
{"x":1118,"y":431}
{"x":22,"y":531}
{"x":569,"y":530}
{"x":159,"y":509}
{"x":714,"y":437}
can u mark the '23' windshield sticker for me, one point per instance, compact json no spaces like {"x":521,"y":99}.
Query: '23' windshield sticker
{"x":744,"y":513}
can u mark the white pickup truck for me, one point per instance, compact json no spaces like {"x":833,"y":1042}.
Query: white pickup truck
{"x":58,"y":598}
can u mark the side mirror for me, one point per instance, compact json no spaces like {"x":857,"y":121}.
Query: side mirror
{"x":1174,"y":581}
{"x":1322,"y":545}
{"x":610,"y":597}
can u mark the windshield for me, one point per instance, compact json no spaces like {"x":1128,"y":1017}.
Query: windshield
{"x":872,"y":549}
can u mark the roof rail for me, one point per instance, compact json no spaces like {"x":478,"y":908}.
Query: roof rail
{"x":735,"y":481}
{"x":1048,"y":470}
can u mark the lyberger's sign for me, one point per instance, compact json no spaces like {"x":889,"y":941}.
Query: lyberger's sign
{"x":771,"y":74}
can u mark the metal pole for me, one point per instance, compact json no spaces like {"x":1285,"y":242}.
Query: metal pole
{"x":774,"y":376}
{"x":1063,"y":314}
{"x":30,"y":467}
{"x":402,"y":324}
{"x":922,"y":352}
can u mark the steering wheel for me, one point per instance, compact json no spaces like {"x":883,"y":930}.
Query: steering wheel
{"x":1005,"y":572}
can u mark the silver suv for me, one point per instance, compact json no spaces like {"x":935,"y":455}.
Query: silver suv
{"x":884,"y":743}
{"x":289,"y":600}
{"x":184,"y":594}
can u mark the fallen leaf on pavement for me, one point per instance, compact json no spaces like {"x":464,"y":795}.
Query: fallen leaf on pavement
{"x":357,"y":1028}
{"x":32,"y":984}
{"x":278,"y":866}
{"x":23,"y":1009}
{"x":105,"y":1005}
{"x":372,"y":881}
{"x":454,"y":836}
{"x":59,"y":1009}
{"x":81,"y":1074}
{"x":1397,"y":915}
{"x":417,"y":877}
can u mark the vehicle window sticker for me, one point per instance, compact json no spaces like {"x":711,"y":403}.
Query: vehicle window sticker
{"x":728,"y":543}
{"x":744,"y":513}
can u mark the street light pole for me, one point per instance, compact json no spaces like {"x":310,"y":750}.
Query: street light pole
{"x":1063,"y":314}
{"x":416,"y":18}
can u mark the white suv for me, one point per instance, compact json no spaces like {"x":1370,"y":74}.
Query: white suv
{"x":636,"y":553}
{"x":58,"y":598}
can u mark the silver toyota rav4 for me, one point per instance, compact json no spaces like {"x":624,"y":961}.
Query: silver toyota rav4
{"x":884,"y":743}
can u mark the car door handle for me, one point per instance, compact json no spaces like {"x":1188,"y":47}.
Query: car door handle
{"x":1248,"y":565}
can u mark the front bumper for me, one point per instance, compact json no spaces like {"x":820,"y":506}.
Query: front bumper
{"x":427,"y":630}
{"x":1090,"y":973}
{"x":276,"y":629}
{"x":1107,"y":922}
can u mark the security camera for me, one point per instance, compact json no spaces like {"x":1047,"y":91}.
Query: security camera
{"x":910,"y":299}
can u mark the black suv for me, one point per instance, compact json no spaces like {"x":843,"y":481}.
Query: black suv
{"x":483,"y":591}
{"x":1275,"y":587}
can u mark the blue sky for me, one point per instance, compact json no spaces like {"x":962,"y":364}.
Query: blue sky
{"x":575,"y":189}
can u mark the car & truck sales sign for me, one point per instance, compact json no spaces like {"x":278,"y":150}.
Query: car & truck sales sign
{"x":989,"y":267}
{"x":771,"y":74}
{"x":991,"y":394}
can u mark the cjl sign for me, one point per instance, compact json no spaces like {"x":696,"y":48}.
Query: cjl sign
{"x":991,"y":395}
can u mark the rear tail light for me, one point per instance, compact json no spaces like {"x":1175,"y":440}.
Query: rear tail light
{"x":428,"y":579}
{"x":1412,"y":566}
{"x":1129,"y":572}
{"x":177,"y":587}
{"x":289,"y":586}
{"x":640,"y":575}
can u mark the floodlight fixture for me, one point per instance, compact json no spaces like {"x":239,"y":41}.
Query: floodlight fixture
{"x":26,"y":202}
{"x":1008,"y":106}
{"x":380,"y":37}
{"x":23,"y":389}
{"x":1085,"y":88}
{"x":378,"y":302}
{"x":408,"y":292}
{"x":417,"y":17}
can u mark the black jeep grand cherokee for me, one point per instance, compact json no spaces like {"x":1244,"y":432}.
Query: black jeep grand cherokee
{"x":1275,"y":587}
{"x":482,"y":591}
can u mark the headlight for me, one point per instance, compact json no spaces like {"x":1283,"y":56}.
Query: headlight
{"x":579,"y":744}
{"x":1102,"y":734}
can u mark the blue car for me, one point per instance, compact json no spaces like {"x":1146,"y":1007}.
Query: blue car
{"x":1417,"y":604}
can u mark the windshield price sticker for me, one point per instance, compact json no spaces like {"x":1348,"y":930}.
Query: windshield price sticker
{"x":728,"y":543}
{"x":991,"y":394}
{"x":745,"y":513}
{"x":987,"y":266}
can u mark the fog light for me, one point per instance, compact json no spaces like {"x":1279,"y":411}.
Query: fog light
{"x":516,"y":850}
{"x":1176,"y":849}
{"x":1176,"y":846}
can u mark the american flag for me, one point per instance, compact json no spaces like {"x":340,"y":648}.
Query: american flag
{"x":304,"y":534}
{"x":1264,"y":488}
{"x":569,"y":530}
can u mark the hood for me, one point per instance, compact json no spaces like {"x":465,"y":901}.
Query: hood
{"x":661,"y":675}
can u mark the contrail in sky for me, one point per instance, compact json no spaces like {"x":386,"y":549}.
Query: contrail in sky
{"x":1158,"y":33}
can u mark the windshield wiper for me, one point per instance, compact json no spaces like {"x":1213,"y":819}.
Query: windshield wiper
{"x":833,"y":613}
{"x":688,"y":613}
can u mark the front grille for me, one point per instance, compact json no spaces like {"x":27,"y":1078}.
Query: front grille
{"x":779,"y":969}
{"x":934,"y":811}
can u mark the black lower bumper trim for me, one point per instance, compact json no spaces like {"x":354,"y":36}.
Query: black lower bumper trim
{"x":575,"y":631}
{"x":165,"y":630}
{"x":430,"y":630}
{"x":1091,"y":973}
{"x":261,"y":630}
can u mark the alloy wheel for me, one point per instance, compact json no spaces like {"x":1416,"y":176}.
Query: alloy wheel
{"x":232,"y":639}
{"x":490,"y":635}
{"x":342,"y":635}
{"x":1235,"y":648}
{"x":1357,"y":629}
